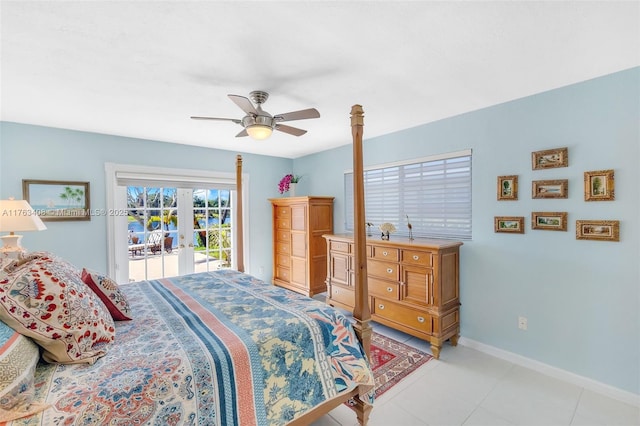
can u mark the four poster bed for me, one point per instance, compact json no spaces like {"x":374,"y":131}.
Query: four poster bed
{"x":216,"y":348}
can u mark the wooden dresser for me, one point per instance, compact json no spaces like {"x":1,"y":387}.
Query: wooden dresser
{"x":299,"y":250}
{"x":413,"y":285}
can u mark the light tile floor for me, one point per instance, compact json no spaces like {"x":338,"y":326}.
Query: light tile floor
{"x":468,"y":387}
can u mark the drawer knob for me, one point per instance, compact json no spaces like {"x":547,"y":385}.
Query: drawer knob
{"x":390,"y":289}
{"x":381,"y":306}
{"x":384,"y":253}
{"x":390,"y":270}
{"x":336,"y":291}
{"x":420,"y":319}
{"x":416,"y":257}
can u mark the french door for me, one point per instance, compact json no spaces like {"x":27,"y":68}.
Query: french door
{"x":164,"y":228}
{"x":177,"y":231}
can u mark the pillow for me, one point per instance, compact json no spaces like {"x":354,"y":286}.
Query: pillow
{"x":110,"y":294}
{"x":18,"y":359}
{"x":43,"y":297}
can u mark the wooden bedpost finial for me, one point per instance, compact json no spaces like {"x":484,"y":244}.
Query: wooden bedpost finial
{"x":357,"y":115}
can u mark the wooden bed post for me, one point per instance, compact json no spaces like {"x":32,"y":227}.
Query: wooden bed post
{"x":238,"y":220}
{"x":361,"y":311}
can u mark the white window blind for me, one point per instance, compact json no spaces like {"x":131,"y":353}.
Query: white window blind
{"x":434,"y":192}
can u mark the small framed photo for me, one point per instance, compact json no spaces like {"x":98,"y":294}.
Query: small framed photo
{"x":507,"y":187}
{"x":599,"y":185}
{"x":550,"y":188}
{"x":549,"y":221}
{"x":602,"y":230}
{"x":550,"y":158}
{"x":511,"y":224}
{"x":55,"y":200}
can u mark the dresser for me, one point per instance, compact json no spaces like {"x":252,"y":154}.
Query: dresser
{"x":299,"y":250}
{"x":413,"y":285}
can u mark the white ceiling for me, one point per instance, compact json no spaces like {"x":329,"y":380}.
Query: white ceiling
{"x":141,"y":69}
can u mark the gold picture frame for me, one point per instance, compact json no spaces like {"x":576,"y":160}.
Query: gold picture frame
{"x":509,"y":224}
{"x":507,"y":188}
{"x":550,"y":188}
{"x":549,"y":221}
{"x":599,"y":185}
{"x":58,"y":200}
{"x":550,"y":158}
{"x":599,"y":230}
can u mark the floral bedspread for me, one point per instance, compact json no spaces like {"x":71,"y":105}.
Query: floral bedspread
{"x":219,"y":348}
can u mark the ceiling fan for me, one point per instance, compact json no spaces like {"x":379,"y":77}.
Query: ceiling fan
{"x":258,"y":123}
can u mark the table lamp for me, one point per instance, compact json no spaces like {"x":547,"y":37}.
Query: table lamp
{"x":16,"y":216}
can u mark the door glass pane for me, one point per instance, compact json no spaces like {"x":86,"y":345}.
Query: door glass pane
{"x":152,"y":228}
{"x":211,"y":229}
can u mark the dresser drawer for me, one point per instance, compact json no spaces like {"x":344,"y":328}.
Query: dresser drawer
{"x":384,"y":253}
{"x":395,"y":312}
{"x":283,"y":248}
{"x":283,"y":223}
{"x":342,"y":295}
{"x":282,"y":274}
{"x":340,"y":246}
{"x":383,"y":288}
{"x":419,"y":258}
{"x":283,"y":235}
{"x":283,"y":260}
{"x":384,"y":270}
{"x":283,"y":212}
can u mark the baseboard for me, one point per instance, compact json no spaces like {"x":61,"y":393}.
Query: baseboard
{"x":558,"y":373}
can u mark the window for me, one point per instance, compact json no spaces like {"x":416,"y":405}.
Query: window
{"x":434,"y":193}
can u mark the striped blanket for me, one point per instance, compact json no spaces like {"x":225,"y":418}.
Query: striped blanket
{"x":218,"y":348}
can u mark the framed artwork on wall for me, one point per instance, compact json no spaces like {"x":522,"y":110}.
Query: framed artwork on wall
{"x":56,"y":200}
{"x":550,"y":188}
{"x":602,"y":230}
{"x":549,"y":221}
{"x":509,"y":224}
{"x":507,"y":187}
{"x":599,"y":185}
{"x":550,"y":158}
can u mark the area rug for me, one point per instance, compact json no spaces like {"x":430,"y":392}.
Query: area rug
{"x":392,"y":361}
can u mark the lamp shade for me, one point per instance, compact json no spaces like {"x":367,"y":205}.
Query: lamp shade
{"x":259,"y":131}
{"x":17,"y":216}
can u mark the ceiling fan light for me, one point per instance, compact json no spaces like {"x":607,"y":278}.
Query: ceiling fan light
{"x":259,"y":131}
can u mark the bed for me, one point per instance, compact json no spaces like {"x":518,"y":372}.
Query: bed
{"x":215,"y":348}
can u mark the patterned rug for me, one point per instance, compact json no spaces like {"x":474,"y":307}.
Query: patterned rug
{"x":391,"y":362}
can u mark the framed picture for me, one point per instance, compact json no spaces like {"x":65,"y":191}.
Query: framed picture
{"x":507,"y":187}
{"x":599,"y":185}
{"x":550,"y":158}
{"x":512,"y":224}
{"x":603,"y":230}
{"x":549,"y":221}
{"x":549,"y":188}
{"x":55,"y":200}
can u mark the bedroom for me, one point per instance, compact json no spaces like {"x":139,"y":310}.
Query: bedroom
{"x":578,"y":309}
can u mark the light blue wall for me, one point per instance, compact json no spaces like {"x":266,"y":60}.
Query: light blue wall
{"x":581,"y":298}
{"x":33,"y":152}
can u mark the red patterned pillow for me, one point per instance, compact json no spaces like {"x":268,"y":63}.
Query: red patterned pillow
{"x":43,"y":297}
{"x":110,"y":294}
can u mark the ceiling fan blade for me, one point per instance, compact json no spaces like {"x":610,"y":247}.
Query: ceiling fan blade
{"x":291,"y":130}
{"x":242,"y":133}
{"x":244,"y":104}
{"x":303,"y":114}
{"x":235,"y":120}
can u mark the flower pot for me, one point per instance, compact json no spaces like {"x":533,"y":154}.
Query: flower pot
{"x":292,"y":189}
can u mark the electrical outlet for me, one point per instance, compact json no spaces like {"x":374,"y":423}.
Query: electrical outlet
{"x":522,"y":323}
